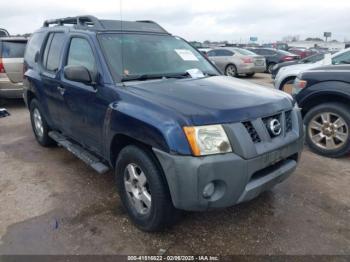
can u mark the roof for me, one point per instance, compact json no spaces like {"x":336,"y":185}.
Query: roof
{"x":92,"y":23}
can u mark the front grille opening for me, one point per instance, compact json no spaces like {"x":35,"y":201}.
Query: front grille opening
{"x":252,"y":132}
{"x":268,"y":170}
{"x":289,"y":122}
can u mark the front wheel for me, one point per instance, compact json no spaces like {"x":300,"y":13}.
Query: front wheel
{"x":39,"y":124}
{"x":327,"y":128}
{"x":143,"y":189}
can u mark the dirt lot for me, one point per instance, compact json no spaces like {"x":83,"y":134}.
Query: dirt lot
{"x":52,"y":203}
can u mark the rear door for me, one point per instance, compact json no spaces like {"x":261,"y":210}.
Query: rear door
{"x":12,"y":53}
{"x":221,"y":57}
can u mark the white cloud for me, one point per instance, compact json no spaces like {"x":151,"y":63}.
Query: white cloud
{"x":230,"y":20}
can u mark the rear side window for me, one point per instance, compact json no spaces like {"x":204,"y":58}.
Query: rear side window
{"x":33,"y":46}
{"x":52,"y":52}
{"x":80,"y":53}
{"x":343,"y":58}
{"x":13,"y":49}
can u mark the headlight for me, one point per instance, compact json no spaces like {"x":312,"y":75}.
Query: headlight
{"x":207,"y":140}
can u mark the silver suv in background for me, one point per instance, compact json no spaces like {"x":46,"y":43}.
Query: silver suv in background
{"x":11,"y":66}
{"x":235,"y":61}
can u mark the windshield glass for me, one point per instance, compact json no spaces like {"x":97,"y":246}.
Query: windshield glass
{"x":243,"y":51}
{"x":131,"y":56}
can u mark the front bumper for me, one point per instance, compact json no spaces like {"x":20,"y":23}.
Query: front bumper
{"x":237,"y":177}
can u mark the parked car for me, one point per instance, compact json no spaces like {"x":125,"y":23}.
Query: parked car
{"x":280,"y":46}
{"x":323,"y":93}
{"x":302,"y":52}
{"x":204,"y":50}
{"x":180,"y":135}
{"x":286,"y":75}
{"x":310,"y":59}
{"x":274,"y":56}
{"x":11,"y":66}
{"x":235,"y":61}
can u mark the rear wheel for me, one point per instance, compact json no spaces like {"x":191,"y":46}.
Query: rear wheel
{"x":327,"y":128}
{"x":143,"y":189}
{"x":270,"y":66}
{"x":231,"y":70}
{"x":39,"y":125}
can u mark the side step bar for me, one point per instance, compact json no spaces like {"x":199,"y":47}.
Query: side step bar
{"x":80,"y":152}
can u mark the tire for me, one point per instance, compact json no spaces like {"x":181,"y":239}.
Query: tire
{"x":231,"y":70}
{"x":157,"y":212}
{"x":250,"y":74}
{"x":269,"y":67}
{"x":323,"y":138}
{"x":41,"y":132}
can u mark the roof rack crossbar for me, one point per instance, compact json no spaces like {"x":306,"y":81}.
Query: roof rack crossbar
{"x":77,"y":21}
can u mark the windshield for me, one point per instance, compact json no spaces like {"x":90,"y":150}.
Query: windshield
{"x":132,"y":56}
{"x":243,"y":51}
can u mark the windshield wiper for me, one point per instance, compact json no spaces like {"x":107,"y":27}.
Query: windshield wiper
{"x":141,"y":77}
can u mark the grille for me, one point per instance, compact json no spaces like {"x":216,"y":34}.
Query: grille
{"x":252,"y":132}
{"x":289,"y":123}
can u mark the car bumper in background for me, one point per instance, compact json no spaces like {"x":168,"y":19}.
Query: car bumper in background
{"x":248,"y":69}
{"x":9,"y":89}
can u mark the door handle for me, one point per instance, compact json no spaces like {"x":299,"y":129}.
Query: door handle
{"x":61,"y":89}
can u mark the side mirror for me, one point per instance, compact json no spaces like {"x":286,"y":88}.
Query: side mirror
{"x":78,"y":73}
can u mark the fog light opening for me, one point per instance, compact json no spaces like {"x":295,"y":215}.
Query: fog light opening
{"x":208,"y":190}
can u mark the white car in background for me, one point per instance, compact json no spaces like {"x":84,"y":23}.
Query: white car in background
{"x":285,"y":78}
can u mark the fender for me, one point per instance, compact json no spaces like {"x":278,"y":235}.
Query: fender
{"x":147,"y":123}
{"x":325,"y":88}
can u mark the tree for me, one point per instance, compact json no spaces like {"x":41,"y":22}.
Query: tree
{"x":314,"y":39}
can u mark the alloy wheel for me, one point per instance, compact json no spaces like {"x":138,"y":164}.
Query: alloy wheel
{"x":137,"y":189}
{"x":328,"y":131}
{"x":231,"y":70}
{"x":38,"y":123}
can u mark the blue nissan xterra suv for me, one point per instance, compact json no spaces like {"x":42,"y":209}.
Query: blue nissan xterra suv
{"x":131,"y":97}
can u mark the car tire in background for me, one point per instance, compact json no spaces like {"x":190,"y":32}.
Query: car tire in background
{"x":328,"y":129}
{"x":250,"y":74}
{"x":231,"y":70}
{"x":39,"y":125}
{"x":269,"y":67}
{"x":143,"y":189}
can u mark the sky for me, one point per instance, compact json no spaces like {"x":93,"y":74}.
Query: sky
{"x":231,"y":20}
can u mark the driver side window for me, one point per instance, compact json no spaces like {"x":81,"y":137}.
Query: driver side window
{"x":80,"y":53}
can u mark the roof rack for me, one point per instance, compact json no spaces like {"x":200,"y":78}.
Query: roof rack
{"x":88,"y":22}
{"x":77,"y":21}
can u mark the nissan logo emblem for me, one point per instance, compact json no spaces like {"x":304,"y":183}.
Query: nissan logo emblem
{"x":275,"y":127}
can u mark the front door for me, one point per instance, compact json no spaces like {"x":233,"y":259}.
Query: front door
{"x":85,"y":105}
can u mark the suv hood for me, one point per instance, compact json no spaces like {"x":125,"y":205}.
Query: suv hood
{"x":212,"y":100}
